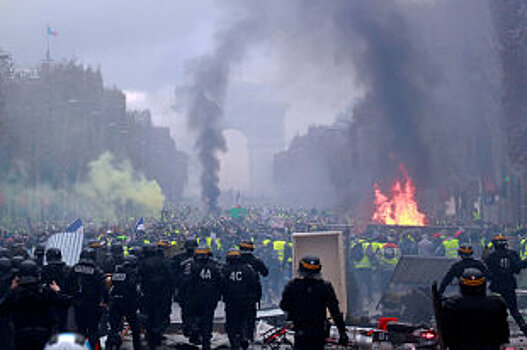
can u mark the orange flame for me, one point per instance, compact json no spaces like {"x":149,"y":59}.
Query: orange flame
{"x":402,"y":208}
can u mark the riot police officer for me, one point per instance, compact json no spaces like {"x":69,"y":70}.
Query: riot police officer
{"x":247,"y":248}
{"x":240,"y":291}
{"x":86,"y":285}
{"x":6,"y":277}
{"x":38,"y":254}
{"x":503,"y":264}
{"x":456,"y":270}
{"x":124,"y":302}
{"x":155,"y":277}
{"x":204,"y":293}
{"x":305,"y":300}
{"x":56,"y":270}
{"x":116,"y":257}
{"x":474,"y":320}
{"x":181,"y":264}
{"x":29,"y":305}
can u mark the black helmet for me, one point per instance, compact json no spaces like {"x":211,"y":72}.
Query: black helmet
{"x":39,"y":250}
{"x":202,"y":252}
{"x":138,"y":252}
{"x":149,"y":250}
{"x":5,"y":264}
{"x":233,"y":255}
{"x":130,"y":261}
{"x":309,"y":265}
{"x":28,"y":272}
{"x":88,"y":255}
{"x":472,"y":282}
{"x":465,"y":251}
{"x":247,"y":246}
{"x":4,"y":252}
{"x":190,"y":244}
{"x":53,"y":254}
{"x":17,"y":260}
{"x":499,"y":241}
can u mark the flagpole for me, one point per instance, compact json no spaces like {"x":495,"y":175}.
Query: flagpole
{"x":48,"y":55}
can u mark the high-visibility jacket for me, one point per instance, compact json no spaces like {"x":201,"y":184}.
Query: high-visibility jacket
{"x":523,"y":248}
{"x":451,"y":246}
{"x":364,"y":262}
{"x":390,"y":254}
{"x":279,"y":248}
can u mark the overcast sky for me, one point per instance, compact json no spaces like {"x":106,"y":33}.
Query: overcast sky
{"x":143,"y":47}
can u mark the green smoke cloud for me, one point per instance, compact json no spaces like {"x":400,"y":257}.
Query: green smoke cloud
{"x":114,"y":189}
{"x":110,"y":190}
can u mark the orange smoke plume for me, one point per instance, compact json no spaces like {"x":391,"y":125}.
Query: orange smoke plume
{"x":402,"y":208}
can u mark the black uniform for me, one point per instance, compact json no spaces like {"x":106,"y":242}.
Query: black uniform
{"x":240,"y":293}
{"x":456,"y":271}
{"x":124,"y":302}
{"x":57,"y":271}
{"x":86,"y":285}
{"x":503,"y":264}
{"x":181,"y":265}
{"x":156,"y":283}
{"x":6,"y":276}
{"x":305,"y":301}
{"x":204,"y":293}
{"x":29,"y":306}
{"x":260,"y":268}
{"x":475,"y":322}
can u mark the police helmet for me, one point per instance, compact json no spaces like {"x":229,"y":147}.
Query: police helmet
{"x":202,"y":252}
{"x":4,"y":252}
{"x":247,"y":246}
{"x":5,"y":264}
{"x":88,"y":255}
{"x":39,"y":250}
{"x":53,"y":254}
{"x":499,"y":240}
{"x":472,"y":282}
{"x":233,"y":255}
{"x":138,"y":252}
{"x":17,"y":260}
{"x":309,"y":265}
{"x":95,"y":244}
{"x":130,"y":261}
{"x":465,"y":251}
{"x":149,"y":250}
{"x":28,"y":272}
{"x":67,"y":341}
{"x":190,"y":244}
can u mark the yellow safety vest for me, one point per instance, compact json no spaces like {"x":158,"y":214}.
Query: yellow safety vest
{"x":385,"y":260}
{"x":365,"y":262}
{"x":279,"y":247}
{"x":523,"y":248}
{"x":451,"y":246}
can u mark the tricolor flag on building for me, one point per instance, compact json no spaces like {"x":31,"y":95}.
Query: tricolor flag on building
{"x":52,"y":32}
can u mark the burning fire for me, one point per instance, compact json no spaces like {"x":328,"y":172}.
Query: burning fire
{"x":402,"y":208}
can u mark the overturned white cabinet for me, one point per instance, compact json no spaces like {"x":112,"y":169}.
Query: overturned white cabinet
{"x":329,"y":247}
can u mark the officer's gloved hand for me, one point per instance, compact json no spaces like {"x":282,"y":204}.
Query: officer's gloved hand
{"x":343,"y":339}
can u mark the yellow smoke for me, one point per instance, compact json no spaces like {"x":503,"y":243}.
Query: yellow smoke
{"x":115,"y":189}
